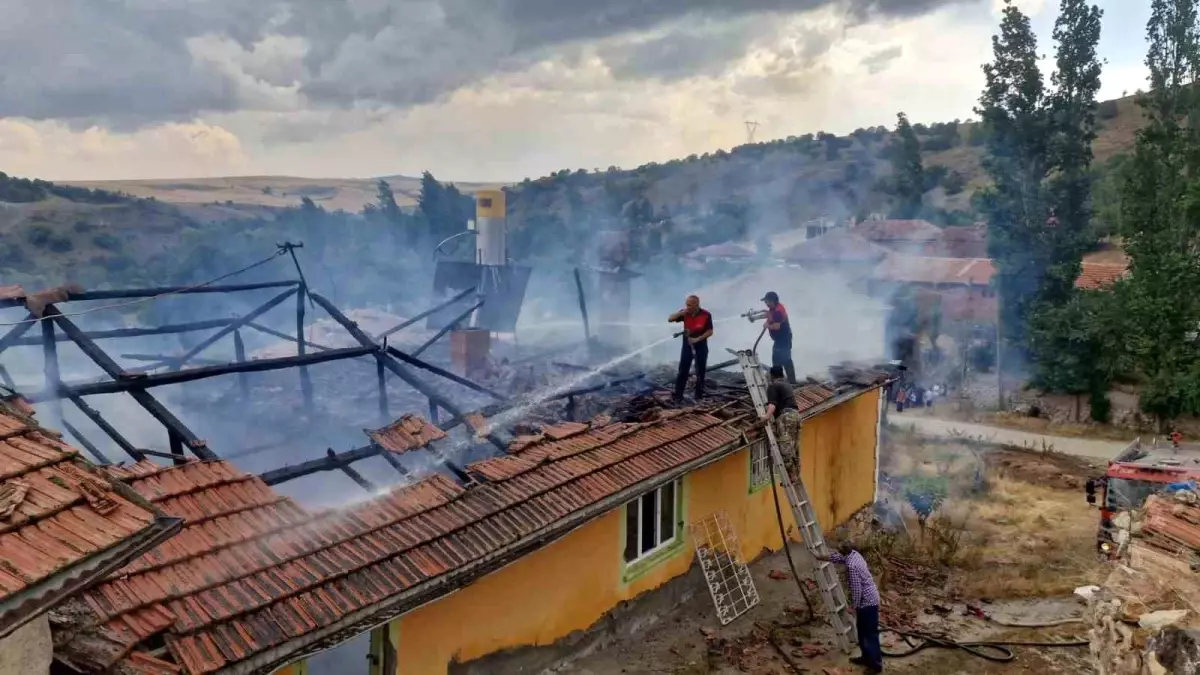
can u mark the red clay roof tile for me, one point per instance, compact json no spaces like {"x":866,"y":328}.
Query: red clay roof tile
{"x":405,"y":434}
{"x":1096,"y":276}
{"x":57,"y":513}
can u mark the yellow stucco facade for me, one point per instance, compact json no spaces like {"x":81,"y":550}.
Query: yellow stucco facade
{"x":570,"y":584}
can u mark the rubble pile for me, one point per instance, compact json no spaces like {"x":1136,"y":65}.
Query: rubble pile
{"x":1146,"y":617}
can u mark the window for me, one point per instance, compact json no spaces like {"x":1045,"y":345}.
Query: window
{"x":760,"y":464}
{"x":651,"y":522}
{"x":485,"y":202}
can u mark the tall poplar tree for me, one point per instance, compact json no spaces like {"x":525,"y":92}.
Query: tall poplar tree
{"x":908,"y":172}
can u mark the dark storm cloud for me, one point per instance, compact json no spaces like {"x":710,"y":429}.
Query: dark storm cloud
{"x":878,"y":61}
{"x":124,"y":63}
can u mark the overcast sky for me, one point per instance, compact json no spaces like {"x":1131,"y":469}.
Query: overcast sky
{"x":480,"y":89}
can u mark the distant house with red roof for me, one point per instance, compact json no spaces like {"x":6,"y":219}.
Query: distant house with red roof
{"x":838,"y":251}
{"x":912,"y":236}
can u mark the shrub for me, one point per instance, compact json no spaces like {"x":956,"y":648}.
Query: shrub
{"x":39,"y":235}
{"x":60,"y":244}
{"x":954,"y":182}
{"x":1107,"y":110}
{"x":106,"y":241}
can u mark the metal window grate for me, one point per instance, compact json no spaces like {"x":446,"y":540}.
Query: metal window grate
{"x":728,"y":578}
{"x":760,"y":464}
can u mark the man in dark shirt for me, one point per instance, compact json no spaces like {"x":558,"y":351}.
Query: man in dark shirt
{"x":781,"y":335}
{"x":781,"y":407}
{"x":697,"y":328}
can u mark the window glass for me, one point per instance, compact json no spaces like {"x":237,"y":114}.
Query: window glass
{"x":666,"y":518}
{"x":631,"y":531}
{"x":649,"y":541}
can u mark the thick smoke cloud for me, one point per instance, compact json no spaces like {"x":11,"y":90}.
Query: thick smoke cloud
{"x":130,"y":63}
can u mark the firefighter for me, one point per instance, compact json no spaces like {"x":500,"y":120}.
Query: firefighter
{"x":697,"y":328}
{"x":781,"y":335}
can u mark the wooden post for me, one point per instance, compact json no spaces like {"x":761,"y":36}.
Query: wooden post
{"x":239,"y":351}
{"x":176,"y":447}
{"x":305,"y":380}
{"x":383,"y":394}
{"x":107,"y":428}
{"x":95,"y":452}
{"x":587,"y":330}
{"x":50,"y":369}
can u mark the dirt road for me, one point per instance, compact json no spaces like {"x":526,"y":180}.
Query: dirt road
{"x":1082,"y":447}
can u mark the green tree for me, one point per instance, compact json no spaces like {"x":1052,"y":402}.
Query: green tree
{"x":1161,"y":202}
{"x":1072,"y":122}
{"x":1012,"y":109}
{"x":907,"y":171}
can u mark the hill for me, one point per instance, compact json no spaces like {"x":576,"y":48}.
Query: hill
{"x":126,"y":232}
{"x":346,"y":194}
{"x":762,"y":188}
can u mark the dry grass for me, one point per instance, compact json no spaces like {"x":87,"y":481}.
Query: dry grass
{"x":1014,"y":525}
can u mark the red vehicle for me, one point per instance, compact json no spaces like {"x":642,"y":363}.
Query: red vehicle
{"x":1139,"y":471}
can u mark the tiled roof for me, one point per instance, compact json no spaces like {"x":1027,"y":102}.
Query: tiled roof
{"x":960,"y":242}
{"x":226,"y":512}
{"x":1095,"y":276}
{"x":63,"y":525}
{"x":898,"y":230}
{"x":929,"y":270}
{"x":835,"y":246}
{"x":11,"y":292}
{"x":405,"y":434}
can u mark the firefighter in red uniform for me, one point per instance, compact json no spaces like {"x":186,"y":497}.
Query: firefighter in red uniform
{"x":697,"y":328}
{"x":780,"y":328}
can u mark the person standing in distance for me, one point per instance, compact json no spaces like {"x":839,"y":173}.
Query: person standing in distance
{"x":780,"y":329}
{"x":697,"y":329}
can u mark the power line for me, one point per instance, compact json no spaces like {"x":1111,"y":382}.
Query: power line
{"x":153,"y":297}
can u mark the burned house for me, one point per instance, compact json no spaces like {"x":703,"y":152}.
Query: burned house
{"x":554,"y":507}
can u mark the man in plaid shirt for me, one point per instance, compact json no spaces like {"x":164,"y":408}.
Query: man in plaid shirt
{"x":864,"y":598}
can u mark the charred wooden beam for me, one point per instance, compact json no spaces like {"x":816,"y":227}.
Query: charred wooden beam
{"x":87,"y":445}
{"x":53,"y":383}
{"x":176,"y":447}
{"x":408,"y":322}
{"x":326,"y":463}
{"x":305,"y":381}
{"x":142,"y":382}
{"x":381,"y":378}
{"x":7,"y":379}
{"x":239,"y":353}
{"x":442,"y":372}
{"x":391,"y":364}
{"x":14,"y":336}
{"x":168,"y":329}
{"x":147,"y":401}
{"x":233,"y":325}
{"x":587,"y":330}
{"x":98,"y":419}
{"x":448,"y":327}
{"x":283,"y":336}
{"x":349,"y":471}
{"x":395,"y":462}
{"x":121,"y":294}
{"x":160,"y":359}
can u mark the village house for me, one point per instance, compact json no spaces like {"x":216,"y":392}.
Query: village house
{"x":514,"y":565}
{"x":911,"y":237}
{"x":839,"y":251}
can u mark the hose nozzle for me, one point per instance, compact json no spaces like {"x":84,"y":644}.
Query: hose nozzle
{"x":755,"y":315}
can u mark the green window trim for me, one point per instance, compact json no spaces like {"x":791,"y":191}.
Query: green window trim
{"x":633,"y":570}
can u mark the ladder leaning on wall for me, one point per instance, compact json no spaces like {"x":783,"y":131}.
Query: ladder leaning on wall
{"x":840,"y":616}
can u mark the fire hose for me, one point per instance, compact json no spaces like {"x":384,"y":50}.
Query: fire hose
{"x":991,"y":650}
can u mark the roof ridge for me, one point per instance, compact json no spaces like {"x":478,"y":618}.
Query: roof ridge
{"x":419,"y":541}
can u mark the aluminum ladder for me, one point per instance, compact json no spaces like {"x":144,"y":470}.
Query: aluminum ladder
{"x":840,"y":616}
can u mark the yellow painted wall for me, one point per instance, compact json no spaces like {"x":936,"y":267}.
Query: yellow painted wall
{"x":489,"y":204}
{"x":570,"y":584}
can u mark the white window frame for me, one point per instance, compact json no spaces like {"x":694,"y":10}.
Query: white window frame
{"x":676,"y":501}
{"x":760,"y":464}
